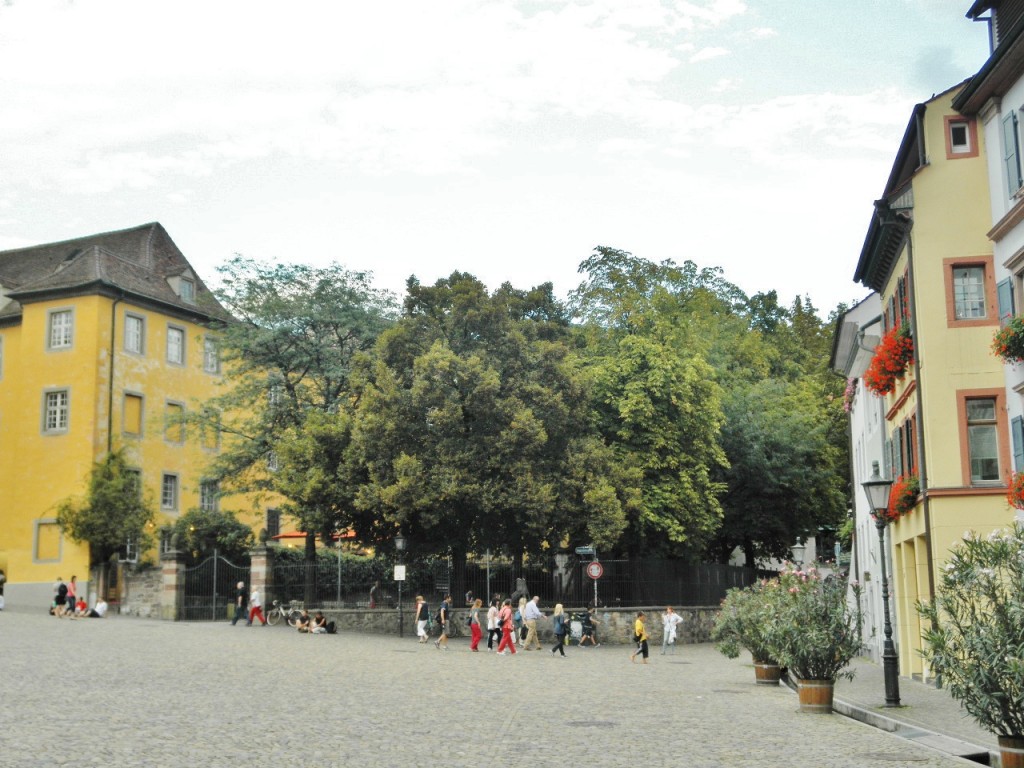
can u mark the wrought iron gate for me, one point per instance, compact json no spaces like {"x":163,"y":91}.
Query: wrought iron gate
{"x":210,"y":587}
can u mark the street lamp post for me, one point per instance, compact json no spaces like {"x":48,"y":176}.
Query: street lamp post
{"x":877,"y":490}
{"x":400,"y":543}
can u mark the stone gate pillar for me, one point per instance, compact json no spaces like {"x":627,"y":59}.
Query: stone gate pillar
{"x":172,"y":589}
{"x":261,"y":576}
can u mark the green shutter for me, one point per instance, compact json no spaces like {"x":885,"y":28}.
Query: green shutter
{"x":1011,"y":153}
{"x":1004,"y":292}
{"x":1017,"y":431}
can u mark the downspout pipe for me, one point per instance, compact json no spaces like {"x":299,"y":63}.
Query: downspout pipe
{"x":110,"y":375}
{"x":922,"y":470}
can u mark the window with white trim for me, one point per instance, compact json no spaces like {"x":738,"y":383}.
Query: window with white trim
{"x":175,"y":345}
{"x":55,"y":411}
{"x":61,"y":329}
{"x":209,"y":494}
{"x":134,"y":333}
{"x":211,"y":357}
{"x":169,"y":492}
{"x":969,"y":292}
{"x":982,"y":440}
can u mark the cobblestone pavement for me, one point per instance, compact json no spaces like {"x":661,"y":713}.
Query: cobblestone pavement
{"x":132,"y":692}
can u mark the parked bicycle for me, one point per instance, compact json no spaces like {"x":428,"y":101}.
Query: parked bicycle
{"x":290,"y":614}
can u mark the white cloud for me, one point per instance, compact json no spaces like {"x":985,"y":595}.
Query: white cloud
{"x":708,"y":53}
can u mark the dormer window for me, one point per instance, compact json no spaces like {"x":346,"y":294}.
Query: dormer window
{"x":184,"y":287}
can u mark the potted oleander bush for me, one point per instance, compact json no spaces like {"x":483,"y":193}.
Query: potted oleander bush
{"x":814,"y":633}
{"x":975,"y":634}
{"x":741,"y":625}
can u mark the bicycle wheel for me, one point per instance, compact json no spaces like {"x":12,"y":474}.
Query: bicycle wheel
{"x":273,"y":617}
{"x":293,"y":618}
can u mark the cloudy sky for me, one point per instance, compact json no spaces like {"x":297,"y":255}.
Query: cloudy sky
{"x":506,"y":138}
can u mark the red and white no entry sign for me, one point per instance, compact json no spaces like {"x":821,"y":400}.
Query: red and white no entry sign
{"x":595,"y":570}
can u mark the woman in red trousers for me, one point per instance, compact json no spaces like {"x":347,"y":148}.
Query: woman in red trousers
{"x":505,"y":619}
{"x":474,"y":624}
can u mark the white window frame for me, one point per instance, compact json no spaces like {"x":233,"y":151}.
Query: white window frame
{"x":962,"y":148}
{"x":211,"y":355}
{"x":991,"y":428}
{"x":169,"y":491}
{"x":187,"y":290}
{"x":209,"y":495}
{"x":60,"y":335}
{"x":61,"y":411}
{"x":969,"y":299}
{"x":176,"y":331}
{"x":134,"y":340}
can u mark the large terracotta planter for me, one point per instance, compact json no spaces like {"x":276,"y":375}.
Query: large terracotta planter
{"x":1011,"y":751}
{"x":767,"y":672}
{"x":816,"y":696}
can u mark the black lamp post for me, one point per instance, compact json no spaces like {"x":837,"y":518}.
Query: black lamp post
{"x":400,"y":543}
{"x":877,"y":490}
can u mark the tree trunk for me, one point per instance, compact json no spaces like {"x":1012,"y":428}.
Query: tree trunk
{"x":309,"y":593}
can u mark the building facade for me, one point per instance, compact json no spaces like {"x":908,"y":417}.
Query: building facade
{"x":995,"y":97}
{"x":927,"y":255}
{"x":105,"y":342}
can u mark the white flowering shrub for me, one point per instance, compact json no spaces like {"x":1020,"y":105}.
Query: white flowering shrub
{"x":975,"y":635}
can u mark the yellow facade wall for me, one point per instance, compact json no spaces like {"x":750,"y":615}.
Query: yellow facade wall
{"x":40,"y":470}
{"x":951,"y":216}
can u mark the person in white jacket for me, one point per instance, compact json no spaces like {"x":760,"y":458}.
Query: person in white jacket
{"x":669,"y":621}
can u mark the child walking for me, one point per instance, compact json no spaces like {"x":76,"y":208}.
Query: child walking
{"x":640,"y":635}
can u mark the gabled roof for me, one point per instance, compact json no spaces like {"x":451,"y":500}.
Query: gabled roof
{"x":892,"y":218}
{"x":1004,"y":68}
{"x":131,"y":262}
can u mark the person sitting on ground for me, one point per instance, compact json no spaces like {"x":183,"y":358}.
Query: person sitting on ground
{"x":303,"y":625}
{"x":81,"y":608}
{"x":319,"y":624}
{"x":99,"y":610}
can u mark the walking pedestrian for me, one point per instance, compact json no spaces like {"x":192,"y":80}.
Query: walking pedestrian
{"x":507,"y":627}
{"x":422,"y":618}
{"x":532,"y":616}
{"x":474,"y":625}
{"x":519,"y":617}
{"x":640,"y":636}
{"x":560,"y":624}
{"x":589,"y":629}
{"x":669,"y":620}
{"x":241,"y":600}
{"x":60,"y":597}
{"x":444,"y":615}
{"x":255,"y":608}
{"x":493,"y":630}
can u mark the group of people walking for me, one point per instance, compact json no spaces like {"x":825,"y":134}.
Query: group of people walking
{"x":510,"y":627}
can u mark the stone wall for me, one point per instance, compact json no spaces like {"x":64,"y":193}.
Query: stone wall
{"x":140,"y":594}
{"x":615,"y":627}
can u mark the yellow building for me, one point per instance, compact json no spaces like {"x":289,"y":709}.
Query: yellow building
{"x":927,"y":254}
{"x":103,"y":343}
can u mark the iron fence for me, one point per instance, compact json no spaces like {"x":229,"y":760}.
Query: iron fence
{"x":210,"y":586}
{"x":623,"y":583}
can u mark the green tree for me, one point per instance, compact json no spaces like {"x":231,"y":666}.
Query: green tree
{"x":201,"y":531}
{"x":287,"y":358}
{"x":113,"y":515}
{"x":474,"y":428}
{"x":655,"y":396}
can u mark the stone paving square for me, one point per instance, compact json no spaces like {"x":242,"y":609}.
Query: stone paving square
{"x":132,"y":692}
